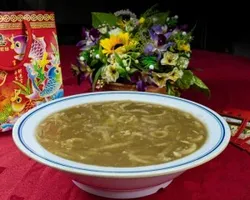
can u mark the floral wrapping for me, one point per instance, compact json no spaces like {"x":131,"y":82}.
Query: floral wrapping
{"x":39,"y":79}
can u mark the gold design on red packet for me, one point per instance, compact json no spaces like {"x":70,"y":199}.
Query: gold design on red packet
{"x":2,"y":49}
{"x":34,"y":25}
{"x":3,"y":76}
{"x":33,"y":17}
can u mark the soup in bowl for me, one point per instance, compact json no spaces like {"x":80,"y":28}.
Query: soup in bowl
{"x":121,"y":144}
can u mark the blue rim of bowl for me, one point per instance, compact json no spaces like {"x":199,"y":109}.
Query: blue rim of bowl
{"x":21,"y":139}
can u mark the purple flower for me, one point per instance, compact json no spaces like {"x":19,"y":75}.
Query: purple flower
{"x":153,"y":35}
{"x":149,"y":49}
{"x":81,"y":77}
{"x":161,"y":40}
{"x":159,"y":37}
{"x":159,"y":34}
{"x":167,"y":35}
{"x":157,"y":29}
{"x":84,"y":33}
{"x":94,"y":34}
{"x":141,"y":86}
{"x":89,"y":38}
{"x":135,"y":77}
{"x":84,"y":76}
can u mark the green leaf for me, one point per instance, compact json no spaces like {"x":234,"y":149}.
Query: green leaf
{"x":133,"y":70}
{"x":93,"y":62}
{"x":103,"y":58}
{"x":121,"y":70}
{"x":151,"y":11}
{"x":171,"y":90}
{"x":97,"y":75}
{"x":201,"y":85}
{"x":186,"y":81}
{"x":135,"y":55}
{"x":99,"y":18}
{"x":123,"y":73}
{"x":85,"y":55}
{"x":118,"y":60}
{"x":161,"y":17}
{"x":149,"y":60}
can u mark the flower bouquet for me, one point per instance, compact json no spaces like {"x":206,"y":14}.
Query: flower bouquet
{"x":149,"y":53}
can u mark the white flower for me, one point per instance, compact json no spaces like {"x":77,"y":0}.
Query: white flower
{"x":184,"y":33}
{"x":176,"y":16}
{"x":97,"y":56}
{"x":169,"y":58}
{"x":81,"y":58}
{"x":115,"y":31}
{"x":183,"y":62}
{"x":151,"y":67}
{"x":110,"y":73}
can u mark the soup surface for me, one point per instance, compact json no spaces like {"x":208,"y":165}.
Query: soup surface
{"x":121,"y":134}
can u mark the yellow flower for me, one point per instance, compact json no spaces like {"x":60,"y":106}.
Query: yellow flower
{"x":141,"y":20}
{"x":117,"y":43}
{"x":175,"y":74}
{"x":184,"y":47}
{"x":160,"y":79}
{"x":110,"y":73}
{"x":169,"y":58}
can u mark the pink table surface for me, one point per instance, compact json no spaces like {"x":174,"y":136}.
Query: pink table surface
{"x":225,"y":177}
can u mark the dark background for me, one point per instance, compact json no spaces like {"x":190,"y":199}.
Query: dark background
{"x":221,"y":26}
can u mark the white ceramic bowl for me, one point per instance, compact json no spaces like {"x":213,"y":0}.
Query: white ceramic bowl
{"x":122,"y":182}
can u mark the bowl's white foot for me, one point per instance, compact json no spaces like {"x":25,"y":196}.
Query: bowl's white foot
{"x":128,"y":194}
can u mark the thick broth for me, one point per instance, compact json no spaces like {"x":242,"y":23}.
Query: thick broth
{"x":121,"y":134}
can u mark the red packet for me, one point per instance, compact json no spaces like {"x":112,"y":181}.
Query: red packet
{"x":30,"y":70}
{"x":239,"y":122}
